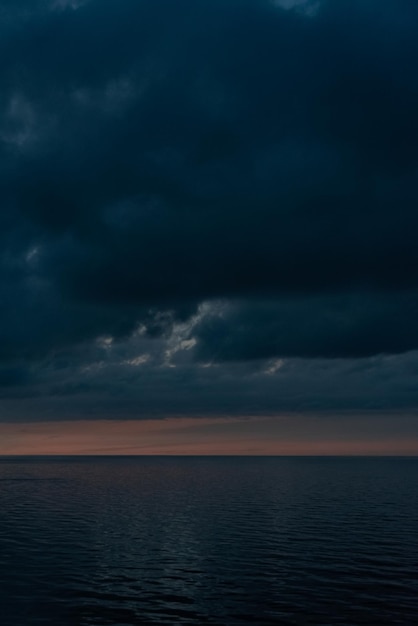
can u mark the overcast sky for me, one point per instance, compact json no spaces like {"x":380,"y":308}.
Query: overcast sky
{"x":209,"y":209}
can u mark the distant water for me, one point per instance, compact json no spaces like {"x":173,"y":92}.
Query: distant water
{"x":224,"y":541}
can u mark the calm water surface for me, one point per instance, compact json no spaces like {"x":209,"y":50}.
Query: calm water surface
{"x":222,"y":541}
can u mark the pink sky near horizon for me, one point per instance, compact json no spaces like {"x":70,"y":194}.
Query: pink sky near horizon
{"x":278,"y":435}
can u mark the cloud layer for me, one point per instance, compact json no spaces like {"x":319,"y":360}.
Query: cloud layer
{"x":201,"y":193}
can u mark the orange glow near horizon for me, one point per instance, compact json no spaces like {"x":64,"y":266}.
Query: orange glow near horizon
{"x":203,"y":436}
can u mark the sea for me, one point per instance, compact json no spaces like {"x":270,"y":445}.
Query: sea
{"x":227,"y":541}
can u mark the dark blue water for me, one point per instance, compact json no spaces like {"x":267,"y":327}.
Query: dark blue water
{"x":220,"y":541}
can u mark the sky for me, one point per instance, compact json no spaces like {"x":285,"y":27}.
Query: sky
{"x":208,"y":223}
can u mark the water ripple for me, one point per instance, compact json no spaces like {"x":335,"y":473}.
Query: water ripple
{"x":208,"y":541}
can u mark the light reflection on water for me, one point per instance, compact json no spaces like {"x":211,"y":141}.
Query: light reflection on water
{"x":223,"y":541}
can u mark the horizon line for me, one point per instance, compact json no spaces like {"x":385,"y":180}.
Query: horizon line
{"x":306,"y":456}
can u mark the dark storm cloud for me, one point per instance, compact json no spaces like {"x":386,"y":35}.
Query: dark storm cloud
{"x":345,"y":325}
{"x":13,"y":376}
{"x":113,"y":388}
{"x":257,"y":157}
